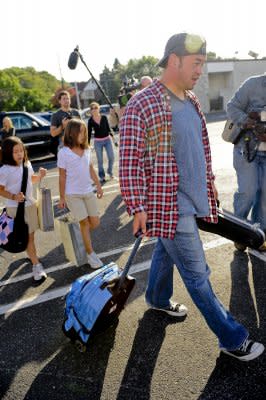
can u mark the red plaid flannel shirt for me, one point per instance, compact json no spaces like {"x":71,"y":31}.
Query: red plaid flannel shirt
{"x":148,"y":171}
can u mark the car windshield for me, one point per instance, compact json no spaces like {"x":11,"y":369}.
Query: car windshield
{"x":41,"y":120}
{"x":104,"y":109}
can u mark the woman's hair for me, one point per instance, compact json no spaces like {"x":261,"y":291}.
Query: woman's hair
{"x":95,"y":104}
{"x":62,"y":93}
{"x":9,"y":120}
{"x":7,"y":150}
{"x":72,"y":131}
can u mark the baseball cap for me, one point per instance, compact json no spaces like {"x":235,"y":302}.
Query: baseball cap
{"x":183,"y":44}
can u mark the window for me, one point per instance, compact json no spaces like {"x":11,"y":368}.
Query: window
{"x":21,"y":122}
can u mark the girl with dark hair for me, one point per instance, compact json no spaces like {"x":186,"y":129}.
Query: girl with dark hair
{"x":75,"y":174}
{"x":13,"y":157}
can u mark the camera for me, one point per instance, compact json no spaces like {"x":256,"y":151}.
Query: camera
{"x":129,"y":86}
{"x":68,"y":115}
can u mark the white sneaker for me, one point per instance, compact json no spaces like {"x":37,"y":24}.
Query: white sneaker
{"x":94,"y":260}
{"x":38,"y":272}
{"x":174,"y":309}
{"x":247,"y":351}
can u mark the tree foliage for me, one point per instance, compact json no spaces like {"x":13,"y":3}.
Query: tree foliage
{"x":112,"y":80}
{"x":26,"y":88}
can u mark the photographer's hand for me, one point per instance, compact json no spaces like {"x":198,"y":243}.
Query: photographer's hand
{"x":65,"y":122}
{"x":249,"y":124}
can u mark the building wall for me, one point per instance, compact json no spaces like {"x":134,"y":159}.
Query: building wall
{"x":245,"y":69}
{"x":202,"y":91}
{"x":223,"y":78}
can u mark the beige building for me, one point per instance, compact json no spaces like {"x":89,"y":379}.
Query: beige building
{"x":221,"y":79}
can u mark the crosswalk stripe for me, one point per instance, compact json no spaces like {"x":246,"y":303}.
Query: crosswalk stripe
{"x":7,"y":309}
{"x":69,"y":264}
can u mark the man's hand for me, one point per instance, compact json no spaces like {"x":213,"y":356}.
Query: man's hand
{"x":65,"y":121}
{"x":139,"y":223}
{"x":215,"y":191}
{"x":251,"y":120}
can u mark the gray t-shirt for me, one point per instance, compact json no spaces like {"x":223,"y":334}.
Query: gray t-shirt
{"x":189,"y":153}
{"x":58,"y":117}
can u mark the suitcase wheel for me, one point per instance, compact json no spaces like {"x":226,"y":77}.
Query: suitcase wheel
{"x":81,"y":347}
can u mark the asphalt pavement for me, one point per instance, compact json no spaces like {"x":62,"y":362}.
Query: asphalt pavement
{"x":148,"y":355}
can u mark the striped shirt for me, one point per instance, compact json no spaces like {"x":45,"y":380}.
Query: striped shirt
{"x":148,"y":170}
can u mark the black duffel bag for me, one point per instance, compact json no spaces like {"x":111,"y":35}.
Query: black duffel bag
{"x":19,"y":238}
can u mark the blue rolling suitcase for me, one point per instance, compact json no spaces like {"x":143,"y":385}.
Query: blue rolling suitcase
{"x":95,"y":301}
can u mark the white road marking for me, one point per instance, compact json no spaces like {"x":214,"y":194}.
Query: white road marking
{"x":69,"y":264}
{"x":7,"y":309}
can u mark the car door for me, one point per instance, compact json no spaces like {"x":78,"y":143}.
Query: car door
{"x":30,"y":131}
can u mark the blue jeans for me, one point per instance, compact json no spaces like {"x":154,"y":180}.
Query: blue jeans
{"x":251,"y":193}
{"x":99,"y":146}
{"x":186,"y":252}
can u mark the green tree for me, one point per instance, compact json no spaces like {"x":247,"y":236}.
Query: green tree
{"x":143,"y":66}
{"x":113,"y":80}
{"x":26,"y":88}
{"x":9,"y":91}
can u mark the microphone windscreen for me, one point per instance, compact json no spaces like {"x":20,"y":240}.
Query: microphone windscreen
{"x":73,"y":60}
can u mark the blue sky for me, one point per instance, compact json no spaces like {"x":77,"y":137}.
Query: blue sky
{"x":42,"y":33}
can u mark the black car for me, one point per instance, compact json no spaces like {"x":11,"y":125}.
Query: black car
{"x":46,"y":115}
{"x":33,"y":131}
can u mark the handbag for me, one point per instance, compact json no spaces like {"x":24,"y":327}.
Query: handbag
{"x":231,"y":132}
{"x":6,"y":226}
{"x":72,"y":240}
{"x":45,"y":209}
{"x":18,"y":239}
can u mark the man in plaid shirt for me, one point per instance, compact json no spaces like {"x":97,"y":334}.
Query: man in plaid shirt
{"x":166,"y":180}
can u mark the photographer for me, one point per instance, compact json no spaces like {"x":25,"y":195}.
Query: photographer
{"x":129,"y":88}
{"x":61,"y":117}
{"x":247,"y":110}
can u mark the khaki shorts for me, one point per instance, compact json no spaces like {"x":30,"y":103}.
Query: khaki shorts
{"x":31,"y":216}
{"x":82,"y":206}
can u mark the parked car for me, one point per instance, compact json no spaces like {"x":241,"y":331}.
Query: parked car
{"x":46,"y":115}
{"x":33,"y":131}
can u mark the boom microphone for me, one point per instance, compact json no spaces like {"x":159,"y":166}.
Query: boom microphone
{"x":72,"y":63}
{"x":73,"y":58}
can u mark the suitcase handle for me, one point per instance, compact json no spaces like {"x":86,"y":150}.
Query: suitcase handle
{"x":131,"y":257}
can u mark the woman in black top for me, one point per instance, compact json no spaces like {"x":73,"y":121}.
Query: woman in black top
{"x":102,"y":139}
{"x":7,"y":130}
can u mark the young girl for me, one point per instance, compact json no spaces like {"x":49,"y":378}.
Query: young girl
{"x":14,"y":155}
{"x":75,"y":187}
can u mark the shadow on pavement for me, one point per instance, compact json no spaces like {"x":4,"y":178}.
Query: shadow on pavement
{"x":82,"y":373}
{"x":233,"y":379}
{"x":146,"y":347}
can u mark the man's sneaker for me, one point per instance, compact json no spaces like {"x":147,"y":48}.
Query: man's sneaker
{"x":94,"y":261}
{"x":39,"y":275}
{"x":174,"y":309}
{"x":247,"y":351}
{"x":239,"y":246}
